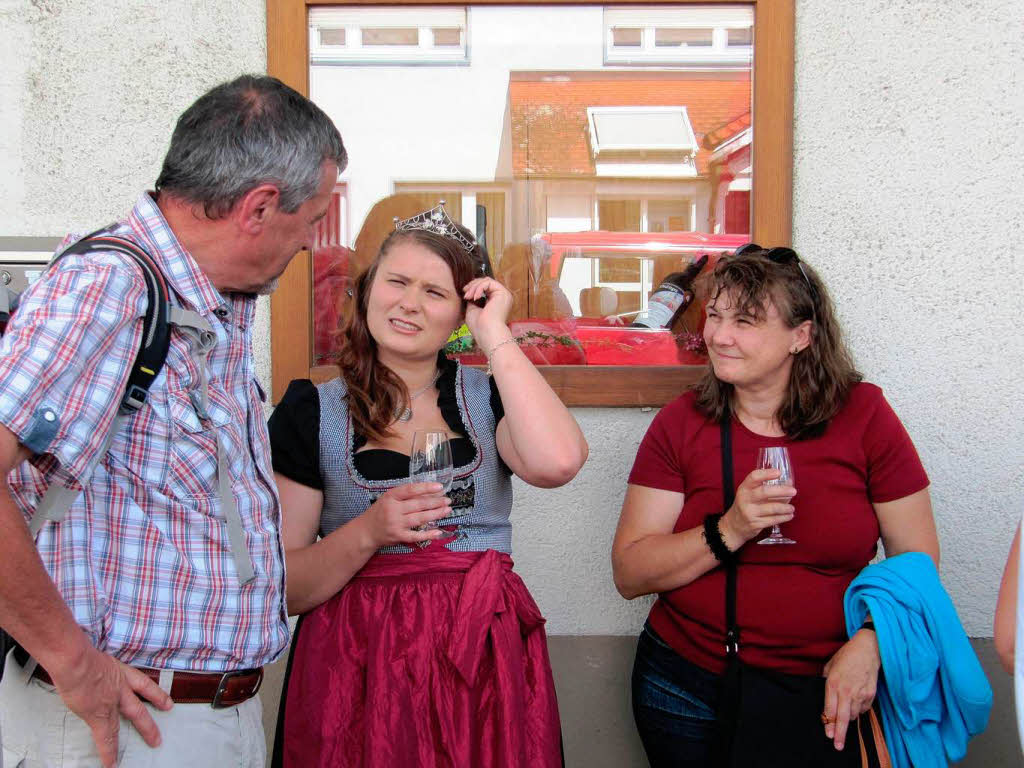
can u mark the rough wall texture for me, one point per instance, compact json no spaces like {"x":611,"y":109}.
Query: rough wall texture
{"x":908,"y":197}
{"x":89,"y":97}
{"x":562,"y":538}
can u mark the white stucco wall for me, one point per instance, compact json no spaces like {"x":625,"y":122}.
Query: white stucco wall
{"x":908,"y":197}
{"x":908,"y":194}
{"x":89,"y":94}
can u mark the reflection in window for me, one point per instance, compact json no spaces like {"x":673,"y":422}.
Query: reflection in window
{"x":612,"y":270}
{"x":447,"y":36}
{"x":332,"y":36}
{"x":642,"y":141}
{"x":391,"y":36}
{"x":479,"y":209}
{"x":452,"y":202}
{"x":665,"y":37}
{"x":742,"y":36}
{"x":349,"y":35}
{"x":618,"y":215}
{"x":587,"y":184}
{"x":669,"y":216}
{"x":490,"y":221}
{"x":627,"y":37}
{"x":701,"y":36}
{"x":637,"y":128}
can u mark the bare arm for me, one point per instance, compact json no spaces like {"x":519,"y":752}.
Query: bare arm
{"x":318,"y":569}
{"x":647,"y":557}
{"x":94,"y":686}
{"x":1006,"y":607}
{"x":538,"y":439}
{"x":908,"y":525}
{"x":31,"y":608}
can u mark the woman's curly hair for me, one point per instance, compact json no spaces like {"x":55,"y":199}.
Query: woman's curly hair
{"x":822,"y":374}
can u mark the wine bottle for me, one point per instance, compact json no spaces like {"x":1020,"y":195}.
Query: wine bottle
{"x":671,"y":298}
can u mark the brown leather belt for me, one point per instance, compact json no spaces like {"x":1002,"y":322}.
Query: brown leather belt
{"x":218,"y":689}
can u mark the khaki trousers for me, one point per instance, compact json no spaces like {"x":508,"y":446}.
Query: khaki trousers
{"x":40,"y":732}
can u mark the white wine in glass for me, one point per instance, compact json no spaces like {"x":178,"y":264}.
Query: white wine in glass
{"x":430,"y":461}
{"x":776,"y":457}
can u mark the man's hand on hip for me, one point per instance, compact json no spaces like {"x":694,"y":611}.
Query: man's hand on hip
{"x":100,"y":689}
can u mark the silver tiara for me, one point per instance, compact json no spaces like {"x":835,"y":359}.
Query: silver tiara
{"x":438,"y":221}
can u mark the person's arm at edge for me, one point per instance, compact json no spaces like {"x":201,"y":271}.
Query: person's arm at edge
{"x":93,"y":684}
{"x":1005,"y":624}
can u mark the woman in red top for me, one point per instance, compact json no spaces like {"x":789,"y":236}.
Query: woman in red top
{"x":779,"y":368}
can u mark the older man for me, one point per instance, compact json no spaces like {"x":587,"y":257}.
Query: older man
{"x":164,"y":580}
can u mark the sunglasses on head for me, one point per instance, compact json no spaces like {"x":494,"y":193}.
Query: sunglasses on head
{"x":779,"y":255}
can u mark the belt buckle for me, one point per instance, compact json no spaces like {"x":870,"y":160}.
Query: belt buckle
{"x":223,"y":684}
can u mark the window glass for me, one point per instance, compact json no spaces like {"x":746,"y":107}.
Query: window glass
{"x":589,"y":183}
{"x":332,"y":36}
{"x":447,"y":36}
{"x":669,"y":36}
{"x":669,"y":216}
{"x":619,"y":215}
{"x":629,"y":37}
{"x":391,"y":36}
{"x":679,"y":36}
{"x":743,"y":36}
{"x":361,"y":36}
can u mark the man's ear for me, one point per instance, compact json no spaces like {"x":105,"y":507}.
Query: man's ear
{"x":256,"y":208}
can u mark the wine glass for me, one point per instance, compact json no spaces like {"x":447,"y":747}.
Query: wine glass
{"x":776,"y":457}
{"x":430,"y":461}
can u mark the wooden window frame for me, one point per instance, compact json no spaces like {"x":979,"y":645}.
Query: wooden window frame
{"x":771,"y":204}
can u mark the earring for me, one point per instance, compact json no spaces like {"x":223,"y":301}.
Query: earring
{"x":794,"y":349}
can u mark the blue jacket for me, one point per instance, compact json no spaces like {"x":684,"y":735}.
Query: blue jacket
{"x":933,"y":693}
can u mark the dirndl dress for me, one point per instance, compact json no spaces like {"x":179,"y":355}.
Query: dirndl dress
{"x":435,"y":659}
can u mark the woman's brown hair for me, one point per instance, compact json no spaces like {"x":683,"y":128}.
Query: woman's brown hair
{"x":375,"y":392}
{"x":822,"y":374}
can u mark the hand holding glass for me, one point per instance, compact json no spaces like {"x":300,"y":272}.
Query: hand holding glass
{"x":430,"y":461}
{"x":776,"y":457}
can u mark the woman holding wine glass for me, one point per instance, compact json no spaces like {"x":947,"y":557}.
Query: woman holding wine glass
{"x":418,"y":645}
{"x":821,"y":467}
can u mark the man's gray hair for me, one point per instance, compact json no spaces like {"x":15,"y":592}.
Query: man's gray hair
{"x":251,"y":131}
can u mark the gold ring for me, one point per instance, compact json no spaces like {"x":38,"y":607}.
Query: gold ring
{"x":826,"y":719}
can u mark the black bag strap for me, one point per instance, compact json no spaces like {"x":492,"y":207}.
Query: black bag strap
{"x":732,"y":631}
{"x":729,"y":701}
{"x":156,"y":332}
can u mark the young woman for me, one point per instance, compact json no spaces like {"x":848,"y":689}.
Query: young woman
{"x":417,"y":655}
{"x":781,"y":376}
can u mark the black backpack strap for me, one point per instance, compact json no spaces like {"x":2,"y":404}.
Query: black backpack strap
{"x":156,"y":333}
{"x":148,"y":361}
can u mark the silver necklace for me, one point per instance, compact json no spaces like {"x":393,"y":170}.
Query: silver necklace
{"x":405,"y":414}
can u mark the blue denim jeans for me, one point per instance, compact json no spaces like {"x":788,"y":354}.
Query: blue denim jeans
{"x":674,"y":705}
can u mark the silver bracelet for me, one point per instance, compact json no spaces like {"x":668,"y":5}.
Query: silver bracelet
{"x":494,"y":349}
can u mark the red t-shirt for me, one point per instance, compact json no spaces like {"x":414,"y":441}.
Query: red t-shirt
{"x":789,"y":599}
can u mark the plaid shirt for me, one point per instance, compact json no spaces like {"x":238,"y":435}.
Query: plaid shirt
{"x":142,"y":557}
